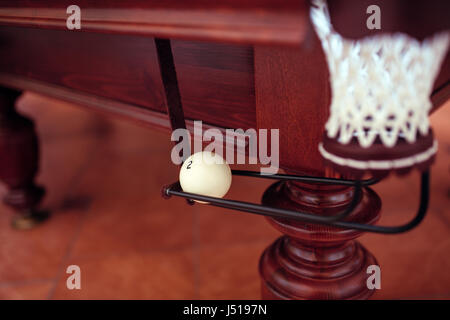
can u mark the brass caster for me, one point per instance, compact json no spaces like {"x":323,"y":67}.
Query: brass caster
{"x":28,"y":220}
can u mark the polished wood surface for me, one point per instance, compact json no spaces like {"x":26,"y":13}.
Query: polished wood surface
{"x":116,"y":67}
{"x":215,"y":79}
{"x":236,"y":21}
{"x":292,"y":94}
{"x":216,"y":82}
{"x":312,"y":261}
{"x":292,"y":84}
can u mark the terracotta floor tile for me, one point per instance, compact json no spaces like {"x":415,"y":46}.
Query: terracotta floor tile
{"x":223,"y":226}
{"x":37,"y":253}
{"x":127,"y":211}
{"x":108,"y":232}
{"x":104,"y":178}
{"x":63,"y":162}
{"x":415,"y":263}
{"x":133,"y":276}
{"x":230,"y":272}
{"x":58,"y":119}
{"x":37,"y":290}
{"x":126,"y":137}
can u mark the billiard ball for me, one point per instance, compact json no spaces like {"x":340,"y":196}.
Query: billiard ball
{"x":205,"y":173}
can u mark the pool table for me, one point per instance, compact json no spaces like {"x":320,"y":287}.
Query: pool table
{"x":239,"y":64}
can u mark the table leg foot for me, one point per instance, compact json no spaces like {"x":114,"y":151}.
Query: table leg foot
{"x":19,"y":162}
{"x":312,"y":261}
{"x":29,"y":219}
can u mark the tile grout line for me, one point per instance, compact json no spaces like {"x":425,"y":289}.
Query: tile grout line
{"x":66,"y":257}
{"x":77,"y":177}
{"x":171,"y":250}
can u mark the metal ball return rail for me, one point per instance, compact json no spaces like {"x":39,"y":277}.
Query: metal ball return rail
{"x":176,"y":116}
{"x":337,"y":220}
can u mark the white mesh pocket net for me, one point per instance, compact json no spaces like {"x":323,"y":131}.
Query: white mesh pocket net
{"x":381,"y":85}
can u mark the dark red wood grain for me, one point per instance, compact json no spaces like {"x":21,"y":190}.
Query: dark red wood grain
{"x":105,"y":106}
{"x":117,"y":67}
{"x":216,"y":83}
{"x":216,"y":80}
{"x":251,"y":21}
{"x":293,"y":95}
{"x":309,"y":261}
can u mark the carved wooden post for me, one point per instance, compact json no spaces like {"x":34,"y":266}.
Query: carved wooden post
{"x":312,"y":261}
{"x":19,"y":154}
{"x":308,"y":261}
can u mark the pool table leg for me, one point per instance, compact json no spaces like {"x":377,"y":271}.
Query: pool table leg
{"x":312,"y":261}
{"x":19,"y":160}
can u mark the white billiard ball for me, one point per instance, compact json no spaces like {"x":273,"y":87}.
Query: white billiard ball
{"x":205,"y":173}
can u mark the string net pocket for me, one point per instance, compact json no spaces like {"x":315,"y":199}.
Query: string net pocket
{"x":381,"y":87}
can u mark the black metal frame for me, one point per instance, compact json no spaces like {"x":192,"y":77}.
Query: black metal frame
{"x":336,"y":220}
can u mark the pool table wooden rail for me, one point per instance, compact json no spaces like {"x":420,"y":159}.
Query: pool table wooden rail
{"x":250,"y":22}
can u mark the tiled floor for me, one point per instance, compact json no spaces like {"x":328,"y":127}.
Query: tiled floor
{"x":103,"y":178}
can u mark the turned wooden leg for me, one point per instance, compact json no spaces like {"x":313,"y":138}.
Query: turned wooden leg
{"x":317,"y":262}
{"x":19,"y":153}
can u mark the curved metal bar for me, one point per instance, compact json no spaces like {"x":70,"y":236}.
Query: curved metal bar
{"x":422,"y":211}
{"x":264,"y":210}
{"x":335,"y":220}
{"x":309,"y":179}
